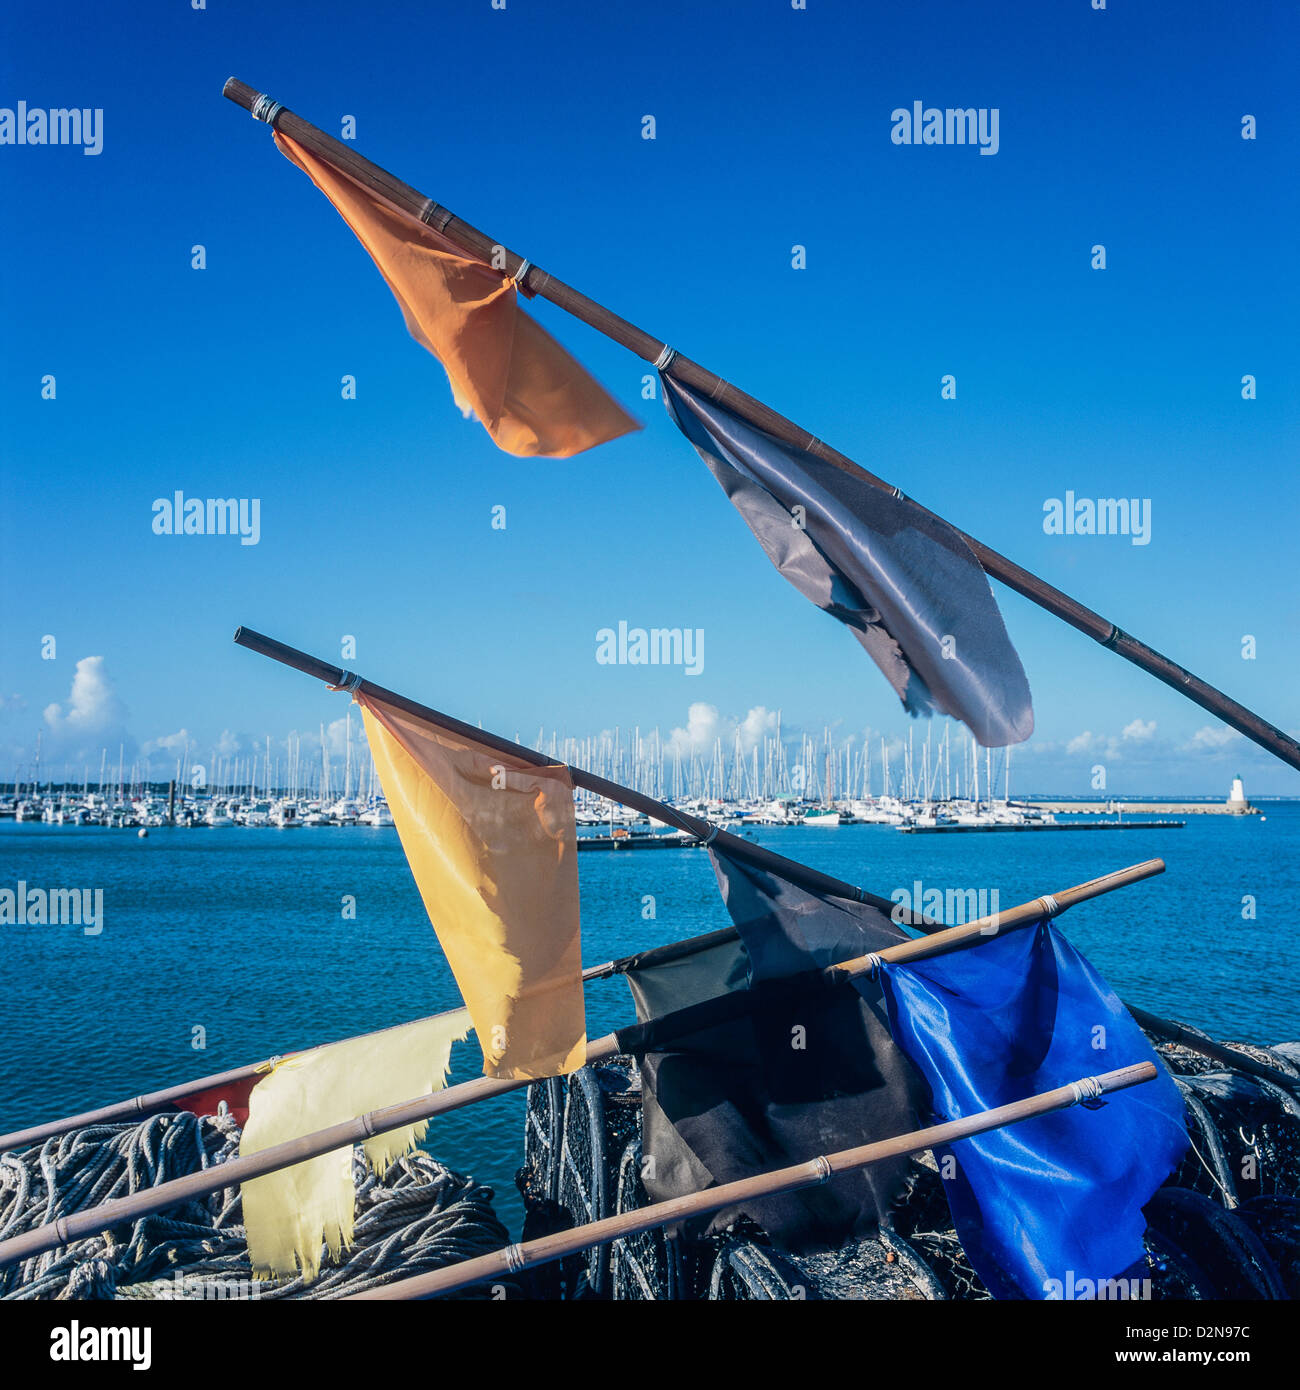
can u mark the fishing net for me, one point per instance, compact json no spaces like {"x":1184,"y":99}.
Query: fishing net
{"x":419,"y":1218}
{"x":744,"y":1271}
{"x":1276,"y":1221}
{"x":923,"y":1239}
{"x":1218,"y":1244}
{"x":601,"y":1113}
{"x":1226,"y":1224}
{"x":1174,"y":1274}
{"x":1245,"y":1138}
{"x":538,"y":1180}
{"x":643,"y":1267}
{"x":583,"y":1188}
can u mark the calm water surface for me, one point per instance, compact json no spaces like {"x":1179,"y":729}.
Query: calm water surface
{"x":241,"y":932}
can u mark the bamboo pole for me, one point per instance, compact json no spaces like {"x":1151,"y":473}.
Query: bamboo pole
{"x":734,"y":845}
{"x":152,"y":1102}
{"x":78,"y":1225}
{"x":515,"y":1258}
{"x":542,"y":283}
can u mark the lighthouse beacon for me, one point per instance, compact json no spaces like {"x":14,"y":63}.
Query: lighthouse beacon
{"x":1237,"y":803}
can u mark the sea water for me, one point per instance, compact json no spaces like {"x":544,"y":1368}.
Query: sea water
{"x":224,"y":946}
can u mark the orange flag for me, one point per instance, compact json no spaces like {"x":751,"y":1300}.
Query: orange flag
{"x":529,"y":394}
{"x":492,"y":844}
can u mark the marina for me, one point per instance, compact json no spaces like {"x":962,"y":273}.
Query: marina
{"x":603,"y":823}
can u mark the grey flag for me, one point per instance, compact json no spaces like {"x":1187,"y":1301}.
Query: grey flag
{"x":904,"y":582}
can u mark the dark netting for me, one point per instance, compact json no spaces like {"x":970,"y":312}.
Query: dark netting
{"x":1180,"y":1060}
{"x":881,"y":1268}
{"x":538,"y":1183}
{"x":745,"y":1271}
{"x":947,"y":1263}
{"x":600,"y":1115}
{"x":538,"y":1180}
{"x":923,"y":1205}
{"x":890,"y":1264}
{"x":1245,"y":1134}
{"x":583,"y":1189}
{"x":1174,"y":1274}
{"x":1183,"y":1061}
{"x":1204,"y":1167}
{"x":1276,"y":1221}
{"x":923,"y":1239}
{"x":1223,"y":1246}
{"x":620,"y":1084}
{"x":642,"y":1268}
{"x":1225,"y":1225}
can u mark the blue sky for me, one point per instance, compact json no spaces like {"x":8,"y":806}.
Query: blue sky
{"x":1120,"y":127}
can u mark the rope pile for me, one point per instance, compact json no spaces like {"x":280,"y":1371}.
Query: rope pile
{"x":420,"y":1217}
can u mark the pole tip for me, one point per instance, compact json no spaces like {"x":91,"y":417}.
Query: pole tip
{"x":240,"y":93}
{"x":239,"y":632}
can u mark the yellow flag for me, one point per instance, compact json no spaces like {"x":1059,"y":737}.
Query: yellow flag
{"x":492,"y":844}
{"x":288,"y":1214}
{"x":529,"y":393}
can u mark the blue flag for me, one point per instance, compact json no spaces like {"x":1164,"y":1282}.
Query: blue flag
{"x":1045,"y":1205}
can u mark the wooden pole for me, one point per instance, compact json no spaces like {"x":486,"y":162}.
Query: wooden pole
{"x":154,"y":1101}
{"x":501,"y":1264}
{"x":78,"y":1225}
{"x":542,"y":283}
{"x":1194,"y":1042}
{"x":734,"y":845}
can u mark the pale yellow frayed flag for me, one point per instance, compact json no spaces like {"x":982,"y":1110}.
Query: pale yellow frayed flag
{"x":288,"y":1214}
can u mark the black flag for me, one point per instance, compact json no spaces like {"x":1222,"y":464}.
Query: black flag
{"x":905,"y":583}
{"x":800,"y":1072}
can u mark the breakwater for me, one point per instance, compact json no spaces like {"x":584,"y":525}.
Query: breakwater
{"x":1148,"y":808}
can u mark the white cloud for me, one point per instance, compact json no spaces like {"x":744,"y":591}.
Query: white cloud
{"x":704,"y":725}
{"x":1109,"y":748}
{"x":93,"y":707}
{"x":168,"y":743}
{"x":228,"y":744}
{"x":758,"y":724}
{"x":336,"y":736}
{"x":1213,"y":737}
